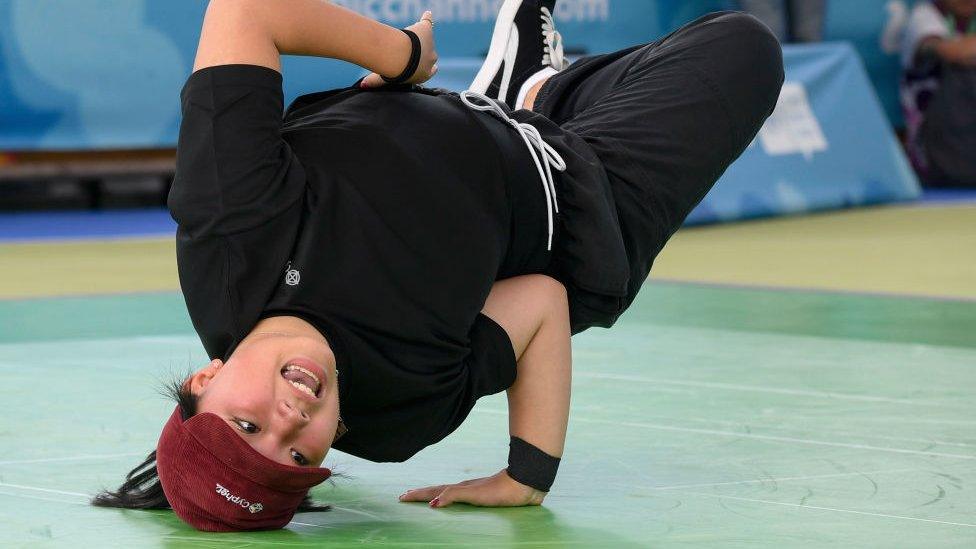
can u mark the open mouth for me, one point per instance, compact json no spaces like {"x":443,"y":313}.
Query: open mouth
{"x":302,"y":379}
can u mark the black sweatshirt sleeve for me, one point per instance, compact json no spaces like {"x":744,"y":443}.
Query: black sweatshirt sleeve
{"x":233,"y":169}
{"x":237,"y":197}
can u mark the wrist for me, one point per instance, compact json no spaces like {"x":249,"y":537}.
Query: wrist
{"x":526,"y":493}
{"x":398,"y":48}
{"x":531,"y":466}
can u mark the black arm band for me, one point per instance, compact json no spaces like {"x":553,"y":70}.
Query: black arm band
{"x":412,"y":64}
{"x":530,"y":465}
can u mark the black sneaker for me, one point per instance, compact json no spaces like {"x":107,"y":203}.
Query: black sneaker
{"x":525,"y":49}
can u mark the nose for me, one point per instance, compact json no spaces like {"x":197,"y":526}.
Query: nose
{"x":292,"y":413}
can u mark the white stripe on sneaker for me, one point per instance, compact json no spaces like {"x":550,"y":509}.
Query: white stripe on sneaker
{"x":496,"y":51}
{"x":511,"y":55}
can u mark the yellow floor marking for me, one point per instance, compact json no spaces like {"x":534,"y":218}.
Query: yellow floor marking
{"x":87,"y":267}
{"x":903,"y":250}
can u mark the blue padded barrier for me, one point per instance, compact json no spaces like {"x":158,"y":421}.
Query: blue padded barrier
{"x":827,"y":145}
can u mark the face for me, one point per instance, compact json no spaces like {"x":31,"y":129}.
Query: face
{"x":962,"y":8}
{"x":255,"y":393}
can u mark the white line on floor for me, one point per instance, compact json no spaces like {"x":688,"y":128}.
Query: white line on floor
{"x":819,"y":508}
{"x":356,"y":512}
{"x":785,"y":479}
{"x":48,"y":490}
{"x":749,"y":388}
{"x":782,"y":439}
{"x":783,"y":417}
{"x":779,"y":439}
{"x":27,"y":496}
{"x":755,"y":436}
{"x":71,"y":458}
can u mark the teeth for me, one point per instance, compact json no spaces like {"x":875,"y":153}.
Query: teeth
{"x":304,"y":388}
{"x":304,"y":371}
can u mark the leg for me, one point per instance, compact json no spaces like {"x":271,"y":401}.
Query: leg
{"x":667,"y":119}
{"x":529,"y":103}
{"x":770,"y":12}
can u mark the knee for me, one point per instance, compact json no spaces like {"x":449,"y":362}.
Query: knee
{"x":754,"y":50}
{"x":745,"y":25}
{"x":745,"y":61}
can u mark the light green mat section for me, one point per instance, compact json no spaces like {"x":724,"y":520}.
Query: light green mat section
{"x":706,"y":417}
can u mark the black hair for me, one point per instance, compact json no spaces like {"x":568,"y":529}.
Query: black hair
{"x":142,"y":489}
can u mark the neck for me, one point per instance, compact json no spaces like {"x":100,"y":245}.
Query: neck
{"x":285,"y":325}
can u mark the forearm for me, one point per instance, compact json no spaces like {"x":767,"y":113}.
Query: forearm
{"x":259,"y":31}
{"x":538,"y":402}
{"x":534,"y":312}
{"x":958,"y":51}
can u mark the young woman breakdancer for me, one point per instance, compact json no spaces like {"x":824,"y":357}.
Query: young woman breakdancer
{"x":362,"y":270}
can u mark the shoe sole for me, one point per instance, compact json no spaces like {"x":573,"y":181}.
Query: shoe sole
{"x":499,"y":43}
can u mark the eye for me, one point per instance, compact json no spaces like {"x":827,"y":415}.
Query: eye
{"x":246,"y":426}
{"x":299,"y":458}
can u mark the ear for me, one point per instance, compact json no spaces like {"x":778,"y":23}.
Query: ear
{"x":199,"y":380}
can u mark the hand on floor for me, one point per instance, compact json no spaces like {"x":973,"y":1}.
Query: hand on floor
{"x":498,"y":490}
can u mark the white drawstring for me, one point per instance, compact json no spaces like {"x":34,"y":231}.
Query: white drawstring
{"x":544,"y":156}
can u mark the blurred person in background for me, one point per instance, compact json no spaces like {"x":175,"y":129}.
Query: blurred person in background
{"x":790,"y":20}
{"x":938,"y":91}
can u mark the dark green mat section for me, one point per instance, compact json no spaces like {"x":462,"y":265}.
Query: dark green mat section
{"x":707,"y":417}
{"x":44,"y":319}
{"x":826,"y":314}
{"x":878,"y":318}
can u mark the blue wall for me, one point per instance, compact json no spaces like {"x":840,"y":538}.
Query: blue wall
{"x":107,"y":73}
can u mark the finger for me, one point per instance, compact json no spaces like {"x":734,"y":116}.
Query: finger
{"x":456,"y":494}
{"x":423,"y":494}
{"x":373,"y":80}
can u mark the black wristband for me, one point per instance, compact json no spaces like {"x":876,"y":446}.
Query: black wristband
{"x":412,"y":64}
{"x":530,"y":465}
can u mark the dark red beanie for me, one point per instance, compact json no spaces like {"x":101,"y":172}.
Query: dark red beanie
{"x":215,"y":481}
